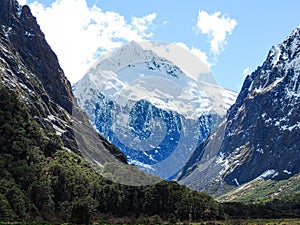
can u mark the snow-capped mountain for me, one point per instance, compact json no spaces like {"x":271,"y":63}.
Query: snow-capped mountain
{"x":156,"y":111}
{"x":260,"y":136}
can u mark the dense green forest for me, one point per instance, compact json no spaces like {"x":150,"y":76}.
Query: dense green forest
{"x":40,"y":181}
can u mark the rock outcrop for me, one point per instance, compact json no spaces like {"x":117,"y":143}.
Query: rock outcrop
{"x":30,"y":67}
{"x":261,"y":131}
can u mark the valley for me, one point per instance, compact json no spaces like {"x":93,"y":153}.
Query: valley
{"x":142,"y":139}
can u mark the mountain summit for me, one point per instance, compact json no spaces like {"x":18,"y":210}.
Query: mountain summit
{"x":154,"y":109}
{"x":43,"y":136}
{"x":260,"y":136}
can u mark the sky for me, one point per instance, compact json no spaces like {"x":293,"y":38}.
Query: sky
{"x":232,"y":37}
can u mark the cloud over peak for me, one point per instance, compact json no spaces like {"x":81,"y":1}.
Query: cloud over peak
{"x":216,"y":27}
{"x":78,"y":33}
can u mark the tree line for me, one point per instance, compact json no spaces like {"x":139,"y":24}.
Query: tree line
{"x":40,"y":181}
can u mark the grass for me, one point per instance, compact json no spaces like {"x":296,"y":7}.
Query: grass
{"x":227,"y":222}
{"x":255,"y":222}
{"x":260,"y":190}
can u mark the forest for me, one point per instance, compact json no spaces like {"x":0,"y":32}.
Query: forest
{"x":41,"y":181}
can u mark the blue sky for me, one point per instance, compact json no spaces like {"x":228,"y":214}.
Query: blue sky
{"x":255,"y":27}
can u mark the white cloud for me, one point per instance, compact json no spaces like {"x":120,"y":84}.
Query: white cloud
{"x":200,"y":54}
{"x":216,"y":27}
{"x":78,"y":33}
{"x":22,"y":2}
{"x":142,"y":24}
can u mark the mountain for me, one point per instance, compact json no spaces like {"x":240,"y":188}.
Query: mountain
{"x":48,"y":147}
{"x":260,"y":136}
{"x":31,"y":68}
{"x":156,"y":111}
{"x":41,"y":181}
{"x":44,"y":177}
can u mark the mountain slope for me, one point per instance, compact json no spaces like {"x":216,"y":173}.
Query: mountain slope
{"x":30,"y":67}
{"x":261,"y":131}
{"x":44,"y":134}
{"x":42,"y":179}
{"x":260,"y":189}
{"x":41,"y":182}
{"x":152,"y":109}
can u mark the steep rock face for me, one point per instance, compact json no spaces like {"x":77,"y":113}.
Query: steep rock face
{"x":269,"y":116}
{"x":262,"y":128}
{"x":150,"y":108}
{"x":8,"y":11}
{"x":30,"y":67}
{"x":27,"y":40}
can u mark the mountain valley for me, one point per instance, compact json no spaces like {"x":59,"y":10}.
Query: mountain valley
{"x":60,"y":163}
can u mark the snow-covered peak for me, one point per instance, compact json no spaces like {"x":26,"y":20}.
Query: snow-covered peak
{"x":169,"y":53}
{"x":131,"y":54}
{"x":259,"y":138}
{"x":153,"y":107}
{"x":132,"y":73}
{"x":281,"y":66}
{"x":287,"y":53}
{"x":295,"y":33}
{"x":121,"y":57}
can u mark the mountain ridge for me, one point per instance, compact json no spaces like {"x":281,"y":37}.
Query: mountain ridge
{"x":148,"y":107}
{"x":261,"y":128}
{"x":44,"y":176}
{"x":30,"y":67}
{"x":54,"y":166}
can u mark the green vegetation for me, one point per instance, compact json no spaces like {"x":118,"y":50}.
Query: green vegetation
{"x":260,"y":190}
{"x":39,"y":181}
{"x":262,"y":198}
{"x":286,"y":207}
{"x":226,"y":222}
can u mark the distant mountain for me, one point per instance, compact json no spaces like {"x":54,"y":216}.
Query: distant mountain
{"x":150,"y":108}
{"x":48,"y":147}
{"x":260,"y":136}
{"x":30,"y":67}
{"x":43,"y":136}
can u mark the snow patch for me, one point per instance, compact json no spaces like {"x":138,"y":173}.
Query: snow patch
{"x":140,"y":164}
{"x":276,"y":52}
{"x":260,"y":150}
{"x":269,"y":174}
{"x":236,"y":181}
{"x":51,"y":117}
{"x":28,"y":34}
{"x":58,"y":130}
{"x":263,"y":90}
{"x":290,"y":128}
{"x":220,"y":158}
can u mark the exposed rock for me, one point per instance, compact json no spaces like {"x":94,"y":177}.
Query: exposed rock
{"x":30,"y":67}
{"x":262,"y":128}
{"x":152,"y":110}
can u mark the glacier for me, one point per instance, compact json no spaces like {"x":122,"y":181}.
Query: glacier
{"x":155,"y":109}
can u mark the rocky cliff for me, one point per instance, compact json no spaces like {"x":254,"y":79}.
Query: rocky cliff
{"x":260,"y":136}
{"x":150,"y":106}
{"x":30,"y":67}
